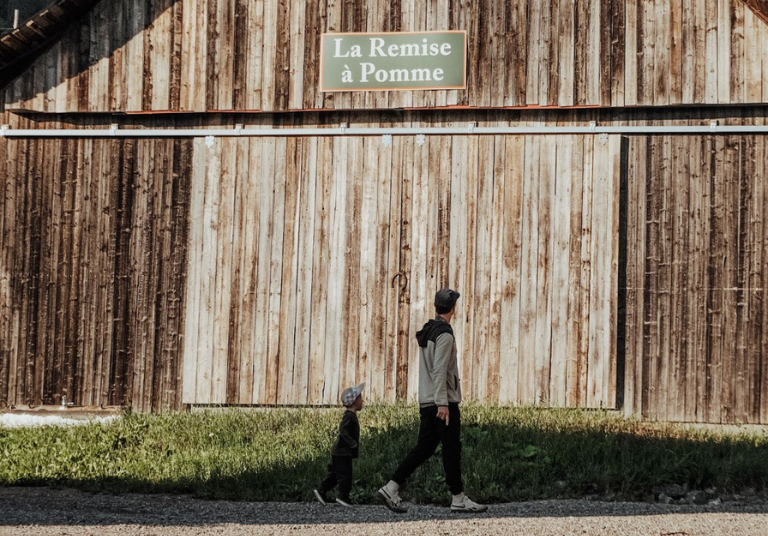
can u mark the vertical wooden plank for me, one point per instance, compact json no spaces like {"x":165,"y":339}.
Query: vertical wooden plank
{"x":619,"y":44}
{"x":676,"y":48}
{"x":35,"y":188}
{"x":160,"y":34}
{"x":304,"y":283}
{"x":763,"y":45}
{"x":223,"y":228}
{"x":729,"y":283}
{"x":278,"y":215}
{"x":382,"y":379}
{"x":482,"y":358}
{"x":249,"y":158}
{"x":752,"y":198}
{"x":498,"y":32}
{"x":321,"y":257}
{"x":367,"y":357}
{"x":724,"y":51}
{"x":192,"y":326}
{"x":336,"y":273}
{"x":267,"y":222}
{"x":754,"y":30}
{"x":465,"y":322}
{"x":206,"y":388}
{"x":13,"y":218}
{"x":701,"y":57}
{"x":225,"y":53}
{"x":737,"y":50}
{"x":406,"y":357}
{"x":297,"y":59}
{"x":601,"y":280}
{"x":594,"y":50}
{"x":239,"y":295}
{"x":107,"y":261}
{"x":255,"y":51}
{"x":515,"y":164}
{"x":84,"y":277}
{"x":553,"y":85}
{"x":461,"y":167}
{"x":534,"y":48}
{"x":761,"y":382}
{"x":545,"y":186}
{"x":566,"y":39}
{"x":689,"y":43}
{"x":497,"y":283}
{"x":286,"y":391}
{"x":716,"y":147}
{"x":646,"y":45}
{"x":561,"y":238}
{"x":662,"y":49}
{"x":632,"y":70}
{"x":581,"y":60}
{"x":420,"y":299}
{"x":7,"y":228}
{"x":516,"y":79}
{"x":528,"y":275}
{"x":575,"y":358}
{"x":133,"y":69}
{"x":269,"y":39}
{"x":351,"y":303}
{"x":697,"y":277}
{"x":585,"y":277}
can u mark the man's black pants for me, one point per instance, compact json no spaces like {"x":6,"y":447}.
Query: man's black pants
{"x":339,"y":472}
{"x":432,"y":432}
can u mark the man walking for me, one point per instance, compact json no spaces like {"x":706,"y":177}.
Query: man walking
{"x":439,"y":397}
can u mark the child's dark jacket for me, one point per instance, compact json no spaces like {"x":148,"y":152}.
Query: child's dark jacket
{"x":349,"y":436}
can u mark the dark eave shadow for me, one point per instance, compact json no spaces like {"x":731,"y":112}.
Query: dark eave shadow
{"x":20,"y":47}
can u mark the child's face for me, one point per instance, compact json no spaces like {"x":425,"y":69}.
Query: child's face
{"x":358,"y":403}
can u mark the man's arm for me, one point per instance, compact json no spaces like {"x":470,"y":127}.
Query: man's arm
{"x":443,"y":350}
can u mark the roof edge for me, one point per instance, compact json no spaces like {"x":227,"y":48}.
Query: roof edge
{"x":760,"y":8}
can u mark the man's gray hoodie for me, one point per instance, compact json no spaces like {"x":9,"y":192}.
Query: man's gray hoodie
{"x":439,"y":382}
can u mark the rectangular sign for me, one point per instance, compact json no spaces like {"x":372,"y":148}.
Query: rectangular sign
{"x":393,"y":61}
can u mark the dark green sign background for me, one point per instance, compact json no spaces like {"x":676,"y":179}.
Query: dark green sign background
{"x":393,"y":61}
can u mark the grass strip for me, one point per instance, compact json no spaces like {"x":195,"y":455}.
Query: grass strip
{"x":509,"y":454}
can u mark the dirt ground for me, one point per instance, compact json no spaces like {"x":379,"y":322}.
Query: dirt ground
{"x":44,"y":511}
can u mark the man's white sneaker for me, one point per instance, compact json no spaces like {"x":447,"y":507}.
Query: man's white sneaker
{"x":392,"y":500}
{"x":469,"y":506}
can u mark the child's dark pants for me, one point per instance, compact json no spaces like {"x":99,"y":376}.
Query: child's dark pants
{"x":339,"y":472}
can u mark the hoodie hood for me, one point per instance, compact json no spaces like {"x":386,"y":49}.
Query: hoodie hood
{"x":432,"y":330}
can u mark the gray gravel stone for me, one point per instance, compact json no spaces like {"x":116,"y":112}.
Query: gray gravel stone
{"x":46,"y":512}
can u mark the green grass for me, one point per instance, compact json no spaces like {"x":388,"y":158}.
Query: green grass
{"x":509,"y":454}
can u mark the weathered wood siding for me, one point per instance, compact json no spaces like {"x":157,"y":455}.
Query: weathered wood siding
{"x":93,"y":271}
{"x":203,"y":55}
{"x":697,"y":324}
{"x":313,"y":262}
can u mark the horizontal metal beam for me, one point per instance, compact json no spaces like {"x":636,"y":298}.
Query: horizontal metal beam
{"x":343,"y":130}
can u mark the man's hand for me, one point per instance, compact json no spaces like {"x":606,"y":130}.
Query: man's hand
{"x":442,"y":413}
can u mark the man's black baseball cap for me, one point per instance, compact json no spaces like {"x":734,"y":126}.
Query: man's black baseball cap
{"x":446,"y":297}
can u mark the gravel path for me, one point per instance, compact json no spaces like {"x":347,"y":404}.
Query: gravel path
{"x":43,"y":511}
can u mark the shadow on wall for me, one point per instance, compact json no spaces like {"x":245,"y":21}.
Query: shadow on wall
{"x":90,"y":31}
{"x":281,"y":455}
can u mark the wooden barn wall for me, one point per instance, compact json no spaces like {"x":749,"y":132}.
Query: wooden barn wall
{"x":697,"y":321}
{"x":314,"y":261}
{"x":203,"y":55}
{"x":93,"y":271}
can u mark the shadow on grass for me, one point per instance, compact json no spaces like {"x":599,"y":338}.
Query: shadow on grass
{"x":509,"y":455}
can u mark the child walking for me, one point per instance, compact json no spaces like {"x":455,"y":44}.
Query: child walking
{"x":344,"y":450}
